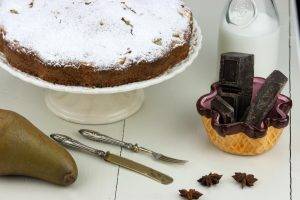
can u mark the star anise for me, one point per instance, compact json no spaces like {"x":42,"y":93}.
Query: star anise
{"x":190,"y":194}
{"x":209,"y":180}
{"x":244,"y":179}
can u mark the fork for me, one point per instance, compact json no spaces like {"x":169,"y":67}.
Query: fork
{"x":96,"y":136}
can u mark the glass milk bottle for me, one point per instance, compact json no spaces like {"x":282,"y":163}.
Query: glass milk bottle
{"x":252,"y":26}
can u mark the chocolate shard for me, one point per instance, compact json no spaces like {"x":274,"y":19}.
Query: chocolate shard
{"x":226,"y":111}
{"x":266,"y":98}
{"x":236,"y":77}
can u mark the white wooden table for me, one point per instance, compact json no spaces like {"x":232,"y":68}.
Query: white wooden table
{"x":168,"y":122}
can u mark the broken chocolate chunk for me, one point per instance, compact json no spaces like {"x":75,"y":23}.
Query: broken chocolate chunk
{"x":266,"y":98}
{"x":237,"y":70}
{"x":244,"y":179}
{"x":209,"y":180}
{"x":190,"y":194}
{"x":226,"y":111}
{"x":236,"y":81}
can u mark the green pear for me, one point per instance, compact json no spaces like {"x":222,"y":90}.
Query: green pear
{"x":27,"y":151}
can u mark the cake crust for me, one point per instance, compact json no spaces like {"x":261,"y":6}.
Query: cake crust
{"x":87,"y":74}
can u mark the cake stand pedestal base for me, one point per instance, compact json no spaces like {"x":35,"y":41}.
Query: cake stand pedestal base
{"x":94,"y":108}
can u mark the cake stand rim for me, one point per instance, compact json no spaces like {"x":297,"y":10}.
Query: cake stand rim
{"x":196,"y":44}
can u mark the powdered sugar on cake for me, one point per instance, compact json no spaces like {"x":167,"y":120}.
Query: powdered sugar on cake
{"x":106,"y":34}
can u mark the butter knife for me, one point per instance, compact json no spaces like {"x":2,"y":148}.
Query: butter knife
{"x":96,"y":136}
{"x":115,"y":159}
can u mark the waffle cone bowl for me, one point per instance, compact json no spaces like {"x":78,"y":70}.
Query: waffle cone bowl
{"x":240,"y":143}
{"x":240,"y":138}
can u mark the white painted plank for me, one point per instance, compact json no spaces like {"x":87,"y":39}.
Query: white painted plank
{"x":295,"y":126}
{"x":169,"y":123}
{"x":97,"y":179}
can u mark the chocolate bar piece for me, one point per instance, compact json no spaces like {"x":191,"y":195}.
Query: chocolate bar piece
{"x":266,"y":98}
{"x":236,"y":81}
{"x":232,"y":99}
{"x":237,"y":100}
{"x":245,"y":114}
{"x":224,"y":109}
{"x":237,"y":70}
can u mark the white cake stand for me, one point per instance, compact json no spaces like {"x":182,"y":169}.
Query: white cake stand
{"x":101,"y":105}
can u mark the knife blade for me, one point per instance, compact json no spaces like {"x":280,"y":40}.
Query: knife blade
{"x":114,"y":159}
{"x":139,"y":168}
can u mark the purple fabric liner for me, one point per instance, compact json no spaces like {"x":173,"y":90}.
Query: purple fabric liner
{"x":277,"y":117}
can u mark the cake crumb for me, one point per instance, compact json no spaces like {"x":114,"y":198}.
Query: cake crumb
{"x":14,"y":11}
{"x":122,"y":61}
{"x":127,"y":22}
{"x":31,"y":4}
{"x":176,"y":35}
{"x":128,"y":51}
{"x":127,"y":7}
{"x":158,"y":41}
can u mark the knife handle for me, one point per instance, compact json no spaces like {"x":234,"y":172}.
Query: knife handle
{"x":98,"y":137}
{"x":71,"y":143}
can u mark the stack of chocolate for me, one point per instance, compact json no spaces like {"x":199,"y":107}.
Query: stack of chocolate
{"x":234,"y":100}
